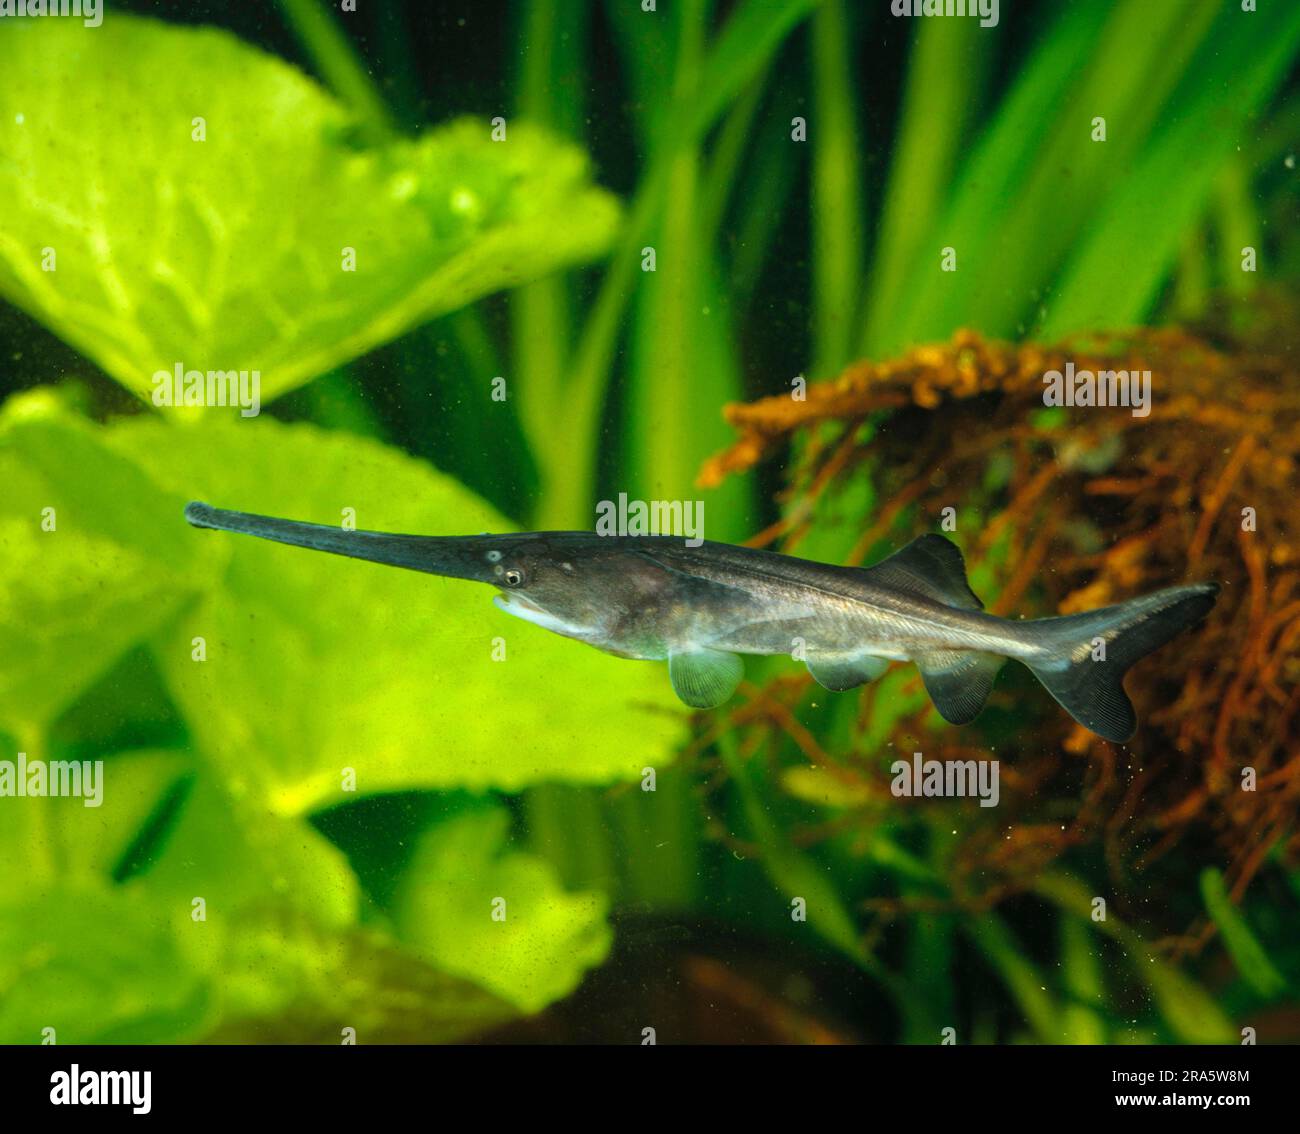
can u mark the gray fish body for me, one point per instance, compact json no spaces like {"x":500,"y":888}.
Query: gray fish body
{"x":655,"y":598}
{"x":782,"y":601}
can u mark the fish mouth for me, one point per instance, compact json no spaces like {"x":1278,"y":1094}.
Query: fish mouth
{"x":521,"y":607}
{"x":513,"y":602}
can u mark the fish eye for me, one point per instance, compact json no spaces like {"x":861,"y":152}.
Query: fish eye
{"x":513,"y":577}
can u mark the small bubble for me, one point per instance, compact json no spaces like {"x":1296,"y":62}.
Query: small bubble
{"x":20,"y":118}
{"x":1290,"y":161}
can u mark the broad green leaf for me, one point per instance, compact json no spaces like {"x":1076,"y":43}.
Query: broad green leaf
{"x":94,"y":962}
{"x":51,"y":457}
{"x":84,"y":572}
{"x":497,"y":917}
{"x":231,"y":853}
{"x":220,"y":244}
{"x":284,"y":980}
{"x":274,"y":959}
{"x":234,"y":854}
{"x":70,"y":605}
{"x":279,"y":936}
{"x":276,"y":898}
{"x":316,"y":663}
{"x":103,"y":967}
{"x":79,"y":838}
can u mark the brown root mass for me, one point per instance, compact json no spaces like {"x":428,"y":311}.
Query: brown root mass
{"x":1087,"y":512}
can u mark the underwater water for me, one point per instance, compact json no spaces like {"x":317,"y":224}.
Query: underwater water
{"x":756,"y":293}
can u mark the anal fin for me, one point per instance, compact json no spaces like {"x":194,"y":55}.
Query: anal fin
{"x":704,"y":679}
{"x":839,"y":672}
{"x":958,"y":681}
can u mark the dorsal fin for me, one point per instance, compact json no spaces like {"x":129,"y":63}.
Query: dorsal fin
{"x":931,"y":566}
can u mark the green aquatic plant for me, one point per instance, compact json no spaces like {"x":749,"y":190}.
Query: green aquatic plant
{"x":248,"y":227}
{"x":319,"y":751}
{"x":196,"y":255}
{"x":366,"y":700}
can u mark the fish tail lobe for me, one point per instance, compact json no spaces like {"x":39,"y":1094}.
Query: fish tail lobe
{"x":1089,"y":654}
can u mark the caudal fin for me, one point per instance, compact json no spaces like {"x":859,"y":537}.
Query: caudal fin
{"x":1091,"y":652}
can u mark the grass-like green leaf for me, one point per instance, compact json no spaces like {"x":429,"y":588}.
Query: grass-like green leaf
{"x":1116,"y":274}
{"x":1189,"y":1012}
{"x":837,"y":184}
{"x":1054,"y":230}
{"x":1248,"y":954}
{"x":797,"y":874}
{"x":752,"y":34}
{"x":931,"y":130}
{"x":1019,"y":974}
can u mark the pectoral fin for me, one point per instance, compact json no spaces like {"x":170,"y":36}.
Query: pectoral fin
{"x":704,"y":678}
{"x":839,"y":672}
{"x":959,"y":681}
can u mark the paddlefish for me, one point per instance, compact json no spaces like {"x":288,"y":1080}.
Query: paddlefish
{"x":700,"y":608}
